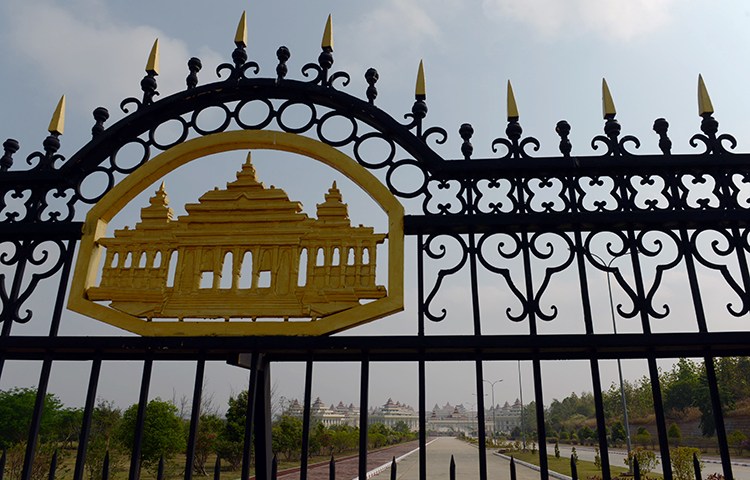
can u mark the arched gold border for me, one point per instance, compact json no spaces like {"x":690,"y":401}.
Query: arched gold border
{"x":95,"y":227}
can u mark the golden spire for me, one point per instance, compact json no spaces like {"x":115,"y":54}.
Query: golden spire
{"x":420,"y":91}
{"x":608,"y":105}
{"x":152,"y":66}
{"x":57,"y":124}
{"x":512,"y":107}
{"x":240,"y":38}
{"x":327,"y":42}
{"x":705,"y":107}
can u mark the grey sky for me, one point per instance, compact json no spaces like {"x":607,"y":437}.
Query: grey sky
{"x":555,"y":53}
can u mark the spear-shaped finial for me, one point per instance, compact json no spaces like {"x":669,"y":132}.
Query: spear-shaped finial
{"x":608,"y":105}
{"x":705,"y":107}
{"x":327,"y":43}
{"x":152,"y":66}
{"x":420,"y":92}
{"x":57,"y":124}
{"x":512,"y":107}
{"x":240,"y":37}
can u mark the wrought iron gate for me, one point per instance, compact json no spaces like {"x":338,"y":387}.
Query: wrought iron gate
{"x":560,"y":210}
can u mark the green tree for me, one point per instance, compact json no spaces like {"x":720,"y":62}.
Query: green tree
{"x":647,"y":460}
{"x":674,"y":434}
{"x":286,"y":436}
{"x":105,"y":421}
{"x":230,"y":442}
{"x":682,"y":462}
{"x":680,"y":384}
{"x":643,"y":437}
{"x":163,"y":431}
{"x":16,"y":408}
{"x":617,"y":434}
{"x":736,"y":439}
{"x":206,"y":439}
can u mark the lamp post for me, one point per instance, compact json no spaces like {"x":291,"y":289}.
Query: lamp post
{"x":494,"y":421}
{"x":619,"y":364}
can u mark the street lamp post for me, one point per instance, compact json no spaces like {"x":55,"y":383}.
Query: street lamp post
{"x":619,"y":364}
{"x":494,"y":421}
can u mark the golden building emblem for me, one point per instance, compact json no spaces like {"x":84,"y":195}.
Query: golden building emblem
{"x":246,"y":254}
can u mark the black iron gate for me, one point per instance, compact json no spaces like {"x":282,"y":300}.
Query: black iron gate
{"x":560,"y":209}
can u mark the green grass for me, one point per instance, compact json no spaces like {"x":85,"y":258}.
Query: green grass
{"x":562,"y":465}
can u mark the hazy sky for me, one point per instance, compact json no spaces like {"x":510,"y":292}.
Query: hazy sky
{"x":555,"y":53}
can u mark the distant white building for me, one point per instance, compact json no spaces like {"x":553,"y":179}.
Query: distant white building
{"x":392,"y":413}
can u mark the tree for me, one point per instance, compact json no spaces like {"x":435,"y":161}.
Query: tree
{"x":682,"y":462}
{"x":647,"y":460}
{"x":207,"y":436}
{"x":105,"y":421}
{"x":617,"y":434}
{"x":286,"y":436}
{"x":230,"y":441}
{"x":643,"y":437}
{"x":16,"y":409}
{"x":736,"y":439}
{"x":163,"y":431}
{"x":674,"y":434}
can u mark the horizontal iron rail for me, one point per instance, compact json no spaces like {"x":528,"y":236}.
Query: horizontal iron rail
{"x":382,"y":348}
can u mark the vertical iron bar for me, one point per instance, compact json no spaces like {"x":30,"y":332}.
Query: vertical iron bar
{"x":217,"y":468}
{"x":661,"y":426}
{"x":573,"y":468}
{"x":36,"y":419}
{"x":601,"y":425}
{"x":421,"y":365}
{"x":306,"y":420}
{"x":274,"y":466}
{"x":88,"y":413}
{"x":160,"y":469}
{"x":331,"y":469}
{"x":61,"y":288}
{"x":364,"y":385}
{"x":481,"y":427}
{"x":636,"y":469}
{"x":512,"y":468}
{"x":541,"y":430}
{"x":18,"y":275}
{"x":135,"y":455}
{"x":452,"y":469}
{"x":53,"y":466}
{"x":195,"y":415}
{"x":252,"y":387}
{"x":105,"y":466}
{"x":263,"y":447}
{"x":393,"y":468}
{"x":697,"y":467}
{"x":3,"y":458}
{"x":721,"y":433}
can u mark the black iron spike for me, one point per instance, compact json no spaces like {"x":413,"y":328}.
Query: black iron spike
{"x":101,"y":115}
{"x":332,"y":469}
{"x":452,"y":471}
{"x":466,"y":131}
{"x":660,"y":127}
{"x":282,"y":54}
{"x":217,"y":468}
{"x":512,"y":468}
{"x":10,"y":146}
{"x":697,"y":467}
{"x":636,"y":469}
{"x":563,"y":130}
{"x":371,"y":77}
{"x":194,"y":66}
{"x":105,"y":466}
{"x":160,"y":469}
{"x":393,"y":468}
{"x":573,"y":468}
{"x":53,"y":466}
{"x":274,"y":467}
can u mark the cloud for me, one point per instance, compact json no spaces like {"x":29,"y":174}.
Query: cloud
{"x":613,"y":19}
{"x":81,"y":51}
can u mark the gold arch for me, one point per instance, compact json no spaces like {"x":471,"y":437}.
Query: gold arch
{"x":95,"y":227}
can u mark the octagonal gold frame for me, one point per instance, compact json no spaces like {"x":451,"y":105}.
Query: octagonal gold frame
{"x":98,"y":218}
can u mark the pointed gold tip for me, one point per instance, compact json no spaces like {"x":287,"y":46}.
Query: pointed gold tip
{"x":162,"y":187}
{"x":327,"y":42}
{"x":152,"y":66}
{"x":57,"y":124}
{"x":608,"y":105}
{"x":512,"y":107}
{"x":334,"y":185}
{"x":240,"y":37}
{"x":705,"y":107}
{"x":420,"y":91}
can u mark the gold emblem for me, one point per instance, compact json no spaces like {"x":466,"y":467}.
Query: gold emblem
{"x":167,"y":275}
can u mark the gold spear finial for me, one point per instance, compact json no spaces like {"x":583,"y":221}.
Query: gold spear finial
{"x":57,"y":124}
{"x":512,"y":107}
{"x":240,"y":37}
{"x":705,"y":107}
{"x":327,"y":42}
{"x":152,"y":66}
{"x":420,"y":91}
{"x":608,"y":105}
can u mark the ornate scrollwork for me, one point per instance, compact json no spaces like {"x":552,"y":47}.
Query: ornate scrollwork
{"x":514,"y":145}
{"x":435,"y":249}
{"x":725,"y":245}
{"x":713,"y":144}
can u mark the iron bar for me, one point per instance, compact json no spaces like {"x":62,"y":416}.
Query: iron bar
{"x":195,"y":415}
{"x":540,"y":428}
{"x":718,"y":414}
{"x":601,"y":425}
{"x":36,"y":419}
{"x":306,"y":420}
{"x":264,"y":456}
{"x":481,"y":427}
{"x":135,"y":454}
{"x":252,"y":388}
{"x":661,"y":426}
{"x":53,"y":466}
{"x":364,"y":386}
{"x":88,"y":413}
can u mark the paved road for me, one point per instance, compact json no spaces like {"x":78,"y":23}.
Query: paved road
{"x":467,"y":463}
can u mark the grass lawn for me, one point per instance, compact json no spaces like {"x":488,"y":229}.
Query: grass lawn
{"x":585,"y":469}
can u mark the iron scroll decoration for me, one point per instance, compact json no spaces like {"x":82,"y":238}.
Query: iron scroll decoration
{"x":47,"y":194}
